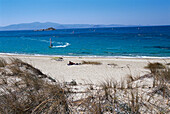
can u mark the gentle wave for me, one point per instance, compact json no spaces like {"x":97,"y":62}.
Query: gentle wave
{"x":40,"y":40}
{"x":63,"y":46}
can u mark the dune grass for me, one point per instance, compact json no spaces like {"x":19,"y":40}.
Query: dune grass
{"x":30,"y":94}
{"x":154,"y":67}
{"x":33,"y":96}
{"x":3,"y":63}
{"x":161,"y":78}
{"x":159,"y":71}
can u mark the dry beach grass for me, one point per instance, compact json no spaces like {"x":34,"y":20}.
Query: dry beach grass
{"x":25,"y":89}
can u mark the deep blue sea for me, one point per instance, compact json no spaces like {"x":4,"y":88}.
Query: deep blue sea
{"x":112,"y":42}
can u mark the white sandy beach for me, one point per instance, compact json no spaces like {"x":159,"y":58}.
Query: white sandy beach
{"x":60,"y":71}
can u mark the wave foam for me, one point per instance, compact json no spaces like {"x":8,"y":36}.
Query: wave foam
{"x":54,"y":42}
{"x":63,"y":46}
{"x":47,"y":41}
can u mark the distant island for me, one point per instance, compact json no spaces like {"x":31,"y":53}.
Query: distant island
{"x":41,"y":26}
{"x":48,"y":29}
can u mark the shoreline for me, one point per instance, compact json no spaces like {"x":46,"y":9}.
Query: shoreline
{"x":87,"y":56}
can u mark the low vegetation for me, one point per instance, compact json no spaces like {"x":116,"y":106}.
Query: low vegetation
{"x":3,"y":63}
{"x":57,"y":58}
{"x":113,"y":64}
{"x":91,"y":62}
{"x":160,"y":73}
{"x":25,"y":89}
{"x":155,"y":67}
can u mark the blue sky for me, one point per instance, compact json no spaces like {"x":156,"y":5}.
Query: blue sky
{"x":128,"y":12}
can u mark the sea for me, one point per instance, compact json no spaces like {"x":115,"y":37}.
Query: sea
{"x":138,"y":42}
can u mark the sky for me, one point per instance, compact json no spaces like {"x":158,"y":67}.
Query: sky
{"x":126,"y":12}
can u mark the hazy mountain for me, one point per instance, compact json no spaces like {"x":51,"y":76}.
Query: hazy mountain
{"x":38,"y":25}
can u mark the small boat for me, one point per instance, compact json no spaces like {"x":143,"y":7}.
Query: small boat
{"x":51,"y":45}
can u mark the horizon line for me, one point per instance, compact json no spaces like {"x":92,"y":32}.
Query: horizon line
{"x":87,"y":24}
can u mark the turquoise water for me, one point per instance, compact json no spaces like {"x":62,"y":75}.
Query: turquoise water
{"x":122,"y":41}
